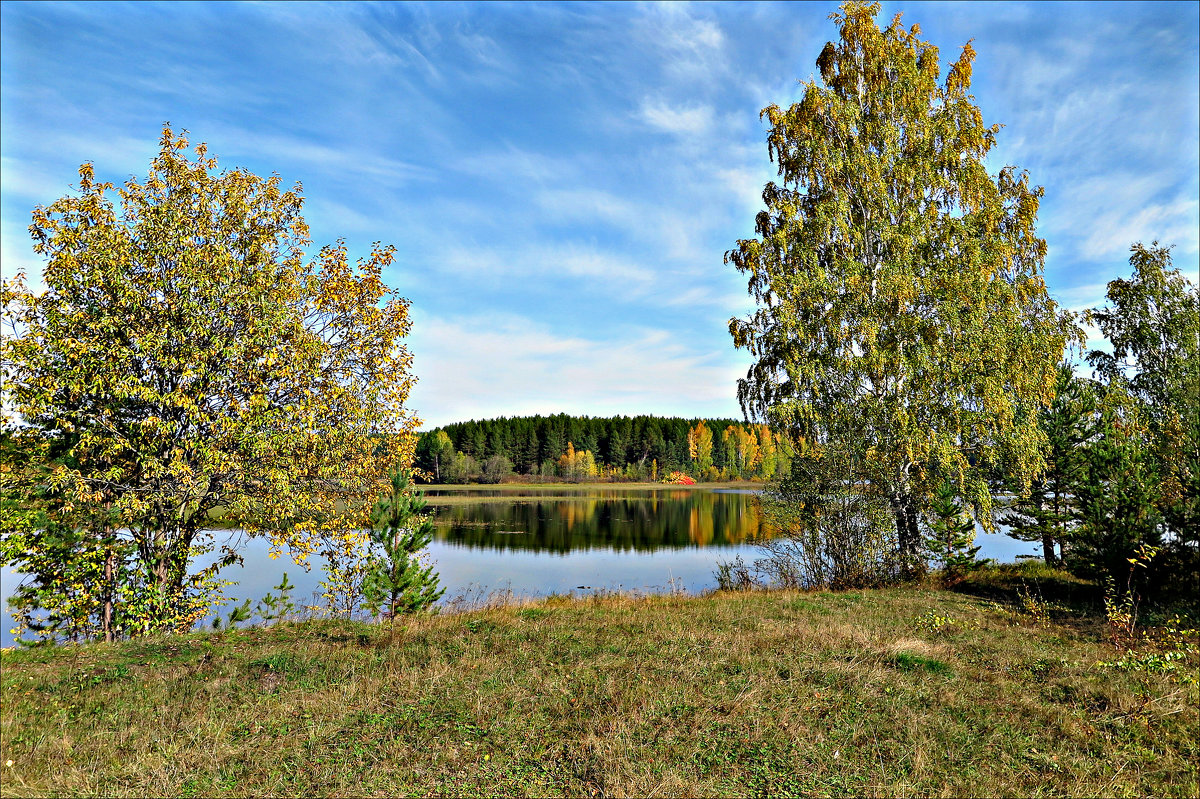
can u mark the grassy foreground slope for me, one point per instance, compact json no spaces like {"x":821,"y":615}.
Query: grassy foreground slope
{"x":890,"y":692}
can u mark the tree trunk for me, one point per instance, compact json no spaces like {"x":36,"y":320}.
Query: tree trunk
{"x":1048,"y":550}
{"x":106,"y":622}
{"x":170,"y":562}
{"x":109,"y":569}
{"x":1047,"y":536}
{"x":908,"y":534}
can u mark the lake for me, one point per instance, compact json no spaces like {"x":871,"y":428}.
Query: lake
{"x":535,"y":541}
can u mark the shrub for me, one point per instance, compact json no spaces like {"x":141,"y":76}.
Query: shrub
{"x":824,"y":531}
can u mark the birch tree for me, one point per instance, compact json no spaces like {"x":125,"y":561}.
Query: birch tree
{"x":902,"y":314}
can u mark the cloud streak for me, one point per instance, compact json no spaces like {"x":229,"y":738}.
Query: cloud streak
{"x":472,"y":366}
{"x":562,"y":180}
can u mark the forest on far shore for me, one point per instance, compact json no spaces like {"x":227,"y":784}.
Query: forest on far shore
{"x":600,"y":448}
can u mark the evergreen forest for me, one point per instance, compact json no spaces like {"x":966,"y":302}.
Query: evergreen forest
{"x":600,"y":448}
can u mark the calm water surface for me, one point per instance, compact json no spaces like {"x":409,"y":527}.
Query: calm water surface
{"x":540,"y":541}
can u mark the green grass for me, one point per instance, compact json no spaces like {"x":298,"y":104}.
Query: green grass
{"x":899,"y":692}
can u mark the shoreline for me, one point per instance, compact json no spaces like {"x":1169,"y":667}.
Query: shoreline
{"x":910,"y":690}
{"x":463,"y":493}
{"x":585,"y":485}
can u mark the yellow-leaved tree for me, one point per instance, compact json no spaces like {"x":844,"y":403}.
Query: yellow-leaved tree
{"x":903,"y":325}
{"x":700,"y":446}
{"x":577,"y":464}
{"x":186,"y":361}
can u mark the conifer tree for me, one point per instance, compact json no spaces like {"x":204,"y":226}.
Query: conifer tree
{"x":398,"y":583}
{"x":1047,"y":514}
{"x":1118,"y":495}
{"x":618,"y":442}
{"x":951,"y":532}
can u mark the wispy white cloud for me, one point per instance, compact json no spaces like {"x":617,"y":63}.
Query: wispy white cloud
{"x":345,"y":38}
{"x":675,"y":224}
{"x":31,"y":182}
{"x":348,"y":161}
{"x":413,"y":54}
{"x":17,"y":255}
{"x":1168,"y":223}
{"x":746,"y":184}
{"x":1104,"y":137}
{"x":341,"y":217}
{"x":1098,"y":217}
{"x":679,"y":120}
{"x":689,"y":38}
{"x":1082,"y":297}
{"x":511,"y":163}
{"x":472,"y":366}
{"x":545,"y":261}
{"x":590,"y":204}
{"x":587,"y":165}
{"x":55,"y":156}
{"x":723,"y":304}
{"x":485,"y":51}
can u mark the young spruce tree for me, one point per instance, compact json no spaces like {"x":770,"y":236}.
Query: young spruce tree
{"x":397,"y":583}
{"x":951,"y":533}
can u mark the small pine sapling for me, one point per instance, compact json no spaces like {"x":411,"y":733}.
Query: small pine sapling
{"x":951,"y":533}
{"x":272,"y":608}
{"x":238,"y":615}
{"x":397,"y":583}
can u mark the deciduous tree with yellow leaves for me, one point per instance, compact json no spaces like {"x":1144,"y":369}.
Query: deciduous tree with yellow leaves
{"x":187,"y":359}
{"x":577,"y":464}
{"x":902,"y":316}
{"x":700,"y":446}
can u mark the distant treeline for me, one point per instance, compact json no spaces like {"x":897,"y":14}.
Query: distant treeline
{"x":614,"y":448}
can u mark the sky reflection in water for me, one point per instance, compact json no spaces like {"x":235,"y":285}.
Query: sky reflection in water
{"x":543,"y":541}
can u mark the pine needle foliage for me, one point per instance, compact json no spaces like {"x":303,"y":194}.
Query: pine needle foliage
{"x":398,"y":583}
{"x":951,"y":533}
{"x":1048,"y":513}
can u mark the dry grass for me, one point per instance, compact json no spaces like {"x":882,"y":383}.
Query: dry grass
{"x":734,"y":694}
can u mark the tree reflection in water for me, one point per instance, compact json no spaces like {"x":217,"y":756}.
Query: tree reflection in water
{"x":622,"y":520}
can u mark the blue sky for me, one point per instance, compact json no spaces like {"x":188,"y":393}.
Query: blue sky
{"x":562,"y":181}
